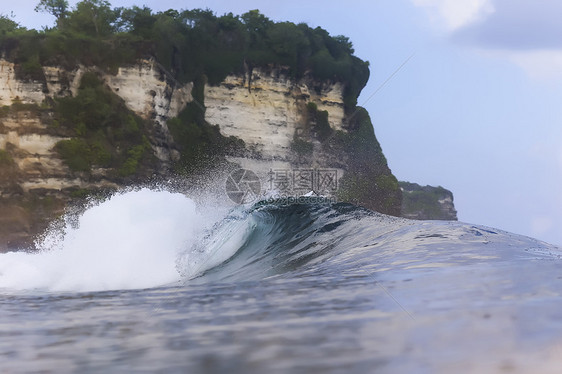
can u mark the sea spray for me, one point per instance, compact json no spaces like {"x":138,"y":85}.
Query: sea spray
{"x":130,"y":241}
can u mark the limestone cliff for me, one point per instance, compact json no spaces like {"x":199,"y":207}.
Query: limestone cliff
{"x":268,"y":110}
{"x":427,"y":202}
{"x":286,"y":125}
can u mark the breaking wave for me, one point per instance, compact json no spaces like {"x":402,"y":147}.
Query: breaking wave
{"x":146,"y":238}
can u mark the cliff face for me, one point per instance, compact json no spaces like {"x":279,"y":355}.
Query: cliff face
{"x":266,"y":109}
{"x":427,"y":203}
{"x":12,"y":88}
{"x":25,"y":134}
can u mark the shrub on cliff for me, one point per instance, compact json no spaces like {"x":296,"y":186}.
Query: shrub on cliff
{"x":200,"y":143}
{"x":76,"y":154}
{"x":301,"y":146}
{"x":5,"y":158}
{"x":106,"y":133}
{"x":319,"y":121}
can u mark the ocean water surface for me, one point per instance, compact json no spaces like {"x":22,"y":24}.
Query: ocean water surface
{"x":149,"y":281}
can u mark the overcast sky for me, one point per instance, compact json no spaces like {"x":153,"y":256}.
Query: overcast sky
{"x":477,"y":109}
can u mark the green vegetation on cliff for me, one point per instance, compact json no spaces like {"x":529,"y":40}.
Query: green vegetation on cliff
{"x":427,"y":202}
{"x":188,"y":43}
{"x":5,"y":158}
{"x":199,"y":142}
{"x":368,"y":182}
{"x":319,"y":121}
{"x":105,"y":133}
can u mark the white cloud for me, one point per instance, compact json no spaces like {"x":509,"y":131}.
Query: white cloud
{"x":523,"y":32}
{"x":454,"y":14}
{"x":541,"y":65}
{"x":516,"y":25}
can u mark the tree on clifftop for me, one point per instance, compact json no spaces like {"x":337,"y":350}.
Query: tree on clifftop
{"x":58,"y":8}
{"x":7,"y":25}
{"x":93,"y":18}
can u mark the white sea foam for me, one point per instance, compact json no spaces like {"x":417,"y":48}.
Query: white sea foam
{"x":130,"y":241}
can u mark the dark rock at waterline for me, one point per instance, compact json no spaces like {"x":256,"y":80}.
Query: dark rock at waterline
{"x":427,"y":202}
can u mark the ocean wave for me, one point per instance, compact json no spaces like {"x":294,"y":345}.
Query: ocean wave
{"x":145,"y":238}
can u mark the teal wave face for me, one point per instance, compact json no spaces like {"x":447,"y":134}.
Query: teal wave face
{"x":296,"y":239}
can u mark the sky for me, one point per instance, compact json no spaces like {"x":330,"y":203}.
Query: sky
{"x":476,"y":109}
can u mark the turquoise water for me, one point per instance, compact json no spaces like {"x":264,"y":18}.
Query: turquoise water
{"x":300,"y":288}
